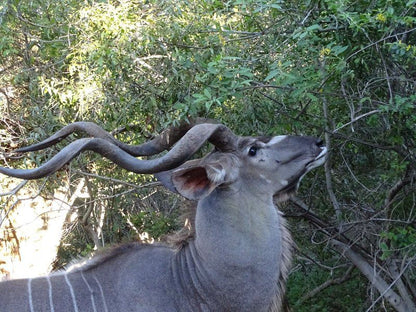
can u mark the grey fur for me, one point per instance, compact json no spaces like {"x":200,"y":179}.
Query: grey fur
{"x":237,"y":258}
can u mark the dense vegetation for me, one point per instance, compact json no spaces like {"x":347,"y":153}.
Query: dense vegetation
{"x":340,"y":69}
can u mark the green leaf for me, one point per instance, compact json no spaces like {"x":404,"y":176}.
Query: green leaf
{"x":337,"y":50}
{"x":272,"y":74}
{"x":207,"y":93}
{"x":313,"y":27}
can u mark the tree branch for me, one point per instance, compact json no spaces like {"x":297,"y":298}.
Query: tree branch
{"x":326,"y":284}
{"x":378,"y":41}
{"x":404,"y":293}
{"x":356,"y":119}
{"x":385,"y":289}
{"x":15,"y":190}
{"x":405,"y":180}
{"x":327,"y":164}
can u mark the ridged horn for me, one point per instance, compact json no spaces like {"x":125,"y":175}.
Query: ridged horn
{"x":160,"y":143}
{"x":190,"y":143}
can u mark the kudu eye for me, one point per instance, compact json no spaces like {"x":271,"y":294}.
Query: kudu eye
{"x":252,"y":151}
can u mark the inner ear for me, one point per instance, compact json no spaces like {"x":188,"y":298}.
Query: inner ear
{"x":192,"y":183}
{"x":195,"y":179}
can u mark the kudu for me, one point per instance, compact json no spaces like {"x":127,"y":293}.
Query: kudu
{"x":239,"y":257}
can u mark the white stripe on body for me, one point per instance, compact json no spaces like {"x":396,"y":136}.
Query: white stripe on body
{"x":90,"y":290}
{"x":50,"y":293}
{"x":102,"y":294}
{"x":74,"y":300}
{"x":29,"y":290}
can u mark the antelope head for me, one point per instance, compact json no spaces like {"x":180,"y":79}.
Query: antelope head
{"x":273,"y":165}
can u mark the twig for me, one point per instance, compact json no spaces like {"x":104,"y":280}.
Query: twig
{"x":326,"y":284}
{"x":303,"y":256}
{"x":327,"y":165}
{"x":388,"y":292}
{"x":395,"y":148}
{"x":378,"y":41}
{"x":85,"y":219}
{"x":407,"y":179}
{"x":18,"y":200}
{"x":331,"y":231}
{"x":356,"y":119}
{"x":150,"y":184}
{"x":401,"y":287}
{"x":15,"y":190}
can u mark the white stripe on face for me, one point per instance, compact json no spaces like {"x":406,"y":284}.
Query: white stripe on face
{"x":276,"y":139}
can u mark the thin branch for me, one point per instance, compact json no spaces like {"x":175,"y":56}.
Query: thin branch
{"x":21,"y":18}
{"x":90,"y":205}
{"x":326,"y":284}
{"x":307,"y":16}
{"x":405,"y":180}
{"x":5,"y":213}
{"x":303,"y":256}
{"x":403,"y":291}
{"x":390,"y":295}
{"x":376,"y":189}
{"x":15,"y":190}
{"x":332,"y":231}
{"x":378,"y":41}
{"x":327,"y":164}
{"x":85,"y":218}
{"x":385,"y":289}
{"x":117,"y":181}
{"x":395,"y":148}
{"x":355,"y":119}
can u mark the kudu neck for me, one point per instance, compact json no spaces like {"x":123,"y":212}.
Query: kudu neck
{"x":232,"y":219}
{"x":237,"y":239}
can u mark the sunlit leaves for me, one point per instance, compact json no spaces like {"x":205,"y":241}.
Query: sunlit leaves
{"x":259,"y":66}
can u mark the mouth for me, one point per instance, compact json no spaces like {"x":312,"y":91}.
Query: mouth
{"x":293,"y":185}
{"x":318,"y":161}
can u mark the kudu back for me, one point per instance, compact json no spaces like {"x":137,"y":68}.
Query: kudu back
{"x":239,"y":257}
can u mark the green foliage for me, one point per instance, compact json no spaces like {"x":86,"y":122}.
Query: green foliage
{"x":154,"y":223}
{"x":398,"y":240}
{"x":340,"y":68}
{"x":332,"y":298}
{"x":74,"y":244}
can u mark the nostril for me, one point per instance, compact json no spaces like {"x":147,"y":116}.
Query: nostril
{"x":319,"y":142}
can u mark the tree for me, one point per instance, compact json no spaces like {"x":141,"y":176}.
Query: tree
{"x":342,"y":70}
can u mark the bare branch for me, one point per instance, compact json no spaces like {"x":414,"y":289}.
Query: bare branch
{"x":404,"y":293}
{"x":15,"y":190}
{"x":326,"y":284}
{"x":117,"y":181}
{"x":378,"y":41}
{"x":355,"y":119}
{"x":385,"y":289}
{"x":405,"y":180}
{"x":85,"y":218}
{"x":327,"y":164}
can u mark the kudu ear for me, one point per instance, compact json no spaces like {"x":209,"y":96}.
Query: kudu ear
{"x":165,"y":177}
{"x":196,"y":179}
{"x":193,"y":183}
